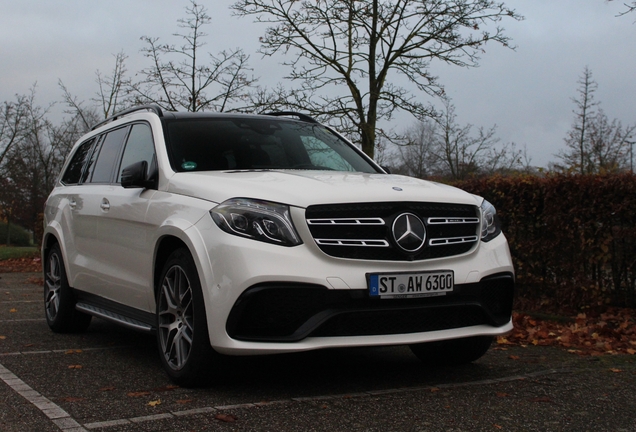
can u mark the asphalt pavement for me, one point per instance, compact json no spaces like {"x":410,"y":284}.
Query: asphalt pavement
{"x":110,"y":379}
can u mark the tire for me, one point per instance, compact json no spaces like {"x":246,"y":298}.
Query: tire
{"x":182,"y":329}
{"x":59,"y":300}
{"x":452,"y":352}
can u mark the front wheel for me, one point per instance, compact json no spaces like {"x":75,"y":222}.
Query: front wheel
{"x":59,"y":301}
{"x":452,"y":352}
{"x":182,"y":329}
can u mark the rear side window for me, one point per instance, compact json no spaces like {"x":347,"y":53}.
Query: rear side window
{"x":108,"y":156}
{"x":73,"y":172}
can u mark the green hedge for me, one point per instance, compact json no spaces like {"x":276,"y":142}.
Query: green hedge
{"x":572,"y":238}
{"x":18,"y":235}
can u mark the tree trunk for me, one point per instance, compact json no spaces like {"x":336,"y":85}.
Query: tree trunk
{"x":367,"y":135}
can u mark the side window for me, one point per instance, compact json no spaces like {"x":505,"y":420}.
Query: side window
{"x":88,"y":170}
{"x":139,"y":147}
{"x":108,"y":155}
{"x":73,"y":173}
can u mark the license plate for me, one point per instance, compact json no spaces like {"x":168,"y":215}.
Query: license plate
{"x":410,"y":285}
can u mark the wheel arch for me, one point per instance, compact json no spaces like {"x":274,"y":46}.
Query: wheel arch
{"x":165,"y":246}
{"x":48,"y":240}
{"x":174,"y":240}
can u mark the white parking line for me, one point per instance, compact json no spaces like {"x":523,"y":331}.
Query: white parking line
{"x":63,"y":351}
{"x":57,"y":415}
{"x":20,"y":301}
{"x":208,"y":410}
{"x":67,"y":424}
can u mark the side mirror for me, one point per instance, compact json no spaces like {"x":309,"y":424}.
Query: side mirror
{"x":134,"y":176}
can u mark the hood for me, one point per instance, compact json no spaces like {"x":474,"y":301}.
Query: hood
{"x":304,"y":188}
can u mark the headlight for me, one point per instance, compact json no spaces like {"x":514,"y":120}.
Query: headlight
{"x":490,"y":226}
{"x":258,"y":220}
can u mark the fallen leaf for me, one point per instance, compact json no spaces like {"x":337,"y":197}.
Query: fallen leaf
{"x":3,"y":337}
{"x":502,"y":394}
{"x":75,"y":366}
{"x":616,"y":370}
{"x":138,"y":394}
{"x":35,"y":280}
{"x":434,"y":389}
{"x":228,"y":418}
{"x":541,"y":399}
{"x":184,"y":401}
{"x":73,"y":351}
{"x":155,"y":403}
{"x":72,"y":399}
{"x":166,"y":388}
{"x":109,"y":388}
{"x":514,"y":357}
{"x":631,"y":351}
{"x":498,"y":426}
{"x":13,"y":310}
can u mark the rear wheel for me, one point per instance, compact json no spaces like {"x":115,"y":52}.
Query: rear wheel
{"x":59,"y":301}
{"x":452,"y":352}
{"x":182,"y":329}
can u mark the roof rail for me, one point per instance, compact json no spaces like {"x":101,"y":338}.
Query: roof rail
{"x":301,"y":117}
{"x":154,"y":108}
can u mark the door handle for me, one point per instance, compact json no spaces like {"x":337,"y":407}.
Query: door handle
{"x":105,"y":205}
{"x":72,"y":203}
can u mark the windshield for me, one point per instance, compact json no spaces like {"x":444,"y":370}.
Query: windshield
{"x":210,"y":144}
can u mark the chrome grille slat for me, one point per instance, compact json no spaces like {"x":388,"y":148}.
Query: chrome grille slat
{"x":346,"y":221}
{"x":451,"y":240}
{"x":451,"y":220}
{"x":353,"y":242}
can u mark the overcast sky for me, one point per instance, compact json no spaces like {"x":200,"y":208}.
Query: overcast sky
{"x":527,"y":93}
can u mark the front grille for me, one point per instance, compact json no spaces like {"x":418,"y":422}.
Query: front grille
{"x":365,"y":230}
{"x":290,"y":313}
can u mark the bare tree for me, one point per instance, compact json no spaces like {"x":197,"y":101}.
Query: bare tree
{"x":609,"y":145}
{"x":444,"y":148}
{"x":418,"y":157}
{"x":12,"y":124}
{"x":594,"y":144}
{"x":181,"y":78}
{"x":32,"y":165}
{"x":577,"y":140}
{"x":631,"y":7}
{"x":111,"y":96}
{"x":462,"y":153}
{"x":348,"y":55}
{"x":88,"y":116}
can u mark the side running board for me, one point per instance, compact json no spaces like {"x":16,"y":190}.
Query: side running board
{"x":114,"y":317}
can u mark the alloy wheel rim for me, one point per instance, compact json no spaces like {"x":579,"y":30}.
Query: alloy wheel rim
{"x":175,"y":318}
{"x":53,"y":284}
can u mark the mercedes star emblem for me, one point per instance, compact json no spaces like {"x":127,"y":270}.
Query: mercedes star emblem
{"x":409,"y":232}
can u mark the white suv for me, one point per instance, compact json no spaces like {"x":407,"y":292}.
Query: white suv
{"x":254,"y":234}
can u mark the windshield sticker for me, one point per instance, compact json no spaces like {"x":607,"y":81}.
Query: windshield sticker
{"x":188,"y":166}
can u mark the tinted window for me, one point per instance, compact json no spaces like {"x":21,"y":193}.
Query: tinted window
{"x":254,"y":143}
{"x":139,"y":147}
{"x":88,"y":170}
{"x":108,"y":156}
{"x":73,"y":172}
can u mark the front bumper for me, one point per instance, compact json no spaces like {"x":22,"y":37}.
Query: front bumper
{"x":291,"y":313}
{"x":263,"y":299}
